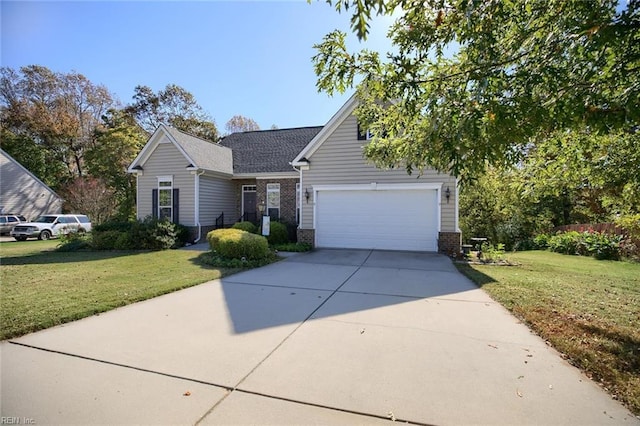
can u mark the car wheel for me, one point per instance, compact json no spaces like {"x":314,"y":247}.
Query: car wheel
{"x":45,"y":235}
{"x":81,"y":231}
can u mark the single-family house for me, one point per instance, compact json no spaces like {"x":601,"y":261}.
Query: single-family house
{"x":21,"y":192}
{"x":313,"y":177}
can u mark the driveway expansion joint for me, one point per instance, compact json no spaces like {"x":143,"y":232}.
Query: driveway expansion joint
{"x":118,"y":364}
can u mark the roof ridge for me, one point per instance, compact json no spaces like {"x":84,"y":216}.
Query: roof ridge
{"x":170,"y":127}
{"x":275,"y":130}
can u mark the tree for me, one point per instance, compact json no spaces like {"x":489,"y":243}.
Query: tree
{"x":90,"y":196}
{"x":239,"y":123}
{"x":173,"y":106}
{"x":118,"y":142}
{"x":55,"y":111}
{"x":522,"y":70}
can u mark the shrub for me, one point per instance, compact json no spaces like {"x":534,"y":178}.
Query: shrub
{"x":293,"y":247}
{"x":246,"y":226}
{"x":278,"y":233}
{"x":238,"y":244}
{"x":148,"y":234}
{"x":541,"y":241}
{"x":491,"y":253}
{"x":596,"y":244}
{"x":105,"y":240}
{"x":113,"y":226}
{"x":565,"y":243}
{"x":74,"y":241}
{"x":182,"y":235}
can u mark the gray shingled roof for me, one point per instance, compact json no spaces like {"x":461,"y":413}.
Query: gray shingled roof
{"x":207,"y":155}
{"x":268,"y":151}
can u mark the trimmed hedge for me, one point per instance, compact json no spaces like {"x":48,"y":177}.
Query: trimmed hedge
{"x":246,"y":226}
{"x":237,"y":244}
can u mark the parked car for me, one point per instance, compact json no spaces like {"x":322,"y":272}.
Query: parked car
{"x":51,"y":225}
{"x":8,"y":221}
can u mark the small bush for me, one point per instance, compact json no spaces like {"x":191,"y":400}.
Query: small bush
{"x":278,"y":233}
{"x":74,"y":241}
{"x":246,"y":226}
{"x":541,"y":241}
{"x":237,"y":244}
{"x":491,"y":253}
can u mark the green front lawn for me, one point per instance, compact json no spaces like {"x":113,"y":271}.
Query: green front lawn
{"x":40,"y":288}
{"x":587,"y":309}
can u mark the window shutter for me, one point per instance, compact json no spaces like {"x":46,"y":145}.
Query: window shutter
{"x":154,"y":203}
{"x":176,"y":205}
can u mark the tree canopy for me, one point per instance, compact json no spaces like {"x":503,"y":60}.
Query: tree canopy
{"x":54,"y":111}
{"x":239,"y":123}
{"x":476,"y":82}
{"x":174,"y":106}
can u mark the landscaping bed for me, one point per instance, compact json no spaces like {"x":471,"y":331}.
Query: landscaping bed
{"x":588,"y":309}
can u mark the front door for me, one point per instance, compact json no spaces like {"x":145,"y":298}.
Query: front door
{"x":249,"y":203}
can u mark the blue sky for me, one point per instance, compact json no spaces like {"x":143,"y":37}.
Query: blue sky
{"x":249,"y":58}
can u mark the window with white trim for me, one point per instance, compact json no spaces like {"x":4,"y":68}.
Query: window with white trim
{"x":165,"y":197}
{"x":363,"y":135}
{"x":273,"y":200}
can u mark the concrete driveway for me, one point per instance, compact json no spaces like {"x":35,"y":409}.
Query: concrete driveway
{"x":328,"y":337}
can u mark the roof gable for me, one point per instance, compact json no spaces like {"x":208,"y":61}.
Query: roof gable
{"x":345,"y":111}
{"x":268,"y":151}
{"x":6,"y":159}
{"x":198,"y":153}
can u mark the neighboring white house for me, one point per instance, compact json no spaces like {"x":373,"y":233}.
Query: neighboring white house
{"x":21,"y":192}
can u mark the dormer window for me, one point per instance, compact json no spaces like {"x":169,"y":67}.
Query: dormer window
{"x":363,"y":135}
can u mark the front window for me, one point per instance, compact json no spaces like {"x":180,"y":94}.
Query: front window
{"x":273,"y":200}
{"x":165,"y":198}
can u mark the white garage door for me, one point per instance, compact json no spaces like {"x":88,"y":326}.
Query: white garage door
{"x":405,"y":219}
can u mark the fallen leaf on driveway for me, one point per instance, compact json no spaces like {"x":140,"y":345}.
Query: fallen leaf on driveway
{"x":187,"y":393}
{"x":519,"y":393}
{"x":492,"y":346}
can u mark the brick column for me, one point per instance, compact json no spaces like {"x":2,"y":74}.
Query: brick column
{"x":307,"y":236}
{"x":449,"y":242}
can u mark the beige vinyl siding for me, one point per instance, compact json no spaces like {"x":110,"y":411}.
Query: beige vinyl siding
{"x":339,"y":161}
{"x":21,"y":193}
{"x":216,"y":196}
{"x":167,"y":160}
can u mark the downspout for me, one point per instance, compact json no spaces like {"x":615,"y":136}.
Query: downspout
{"x":299,"y":196}
{"x":197,"y":202}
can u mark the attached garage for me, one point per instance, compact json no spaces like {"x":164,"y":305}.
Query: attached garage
{"x":378,"y":216}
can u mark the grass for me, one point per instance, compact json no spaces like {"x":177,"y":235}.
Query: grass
{"x":587,"y":309}
{"x":40,"y":288}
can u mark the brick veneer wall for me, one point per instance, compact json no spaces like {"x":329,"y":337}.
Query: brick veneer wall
{"x":287,"y":197}
{"x":449,"y":242}
{"x":306,"y":236}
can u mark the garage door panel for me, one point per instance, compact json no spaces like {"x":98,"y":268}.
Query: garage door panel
{"x":396,"y":220}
